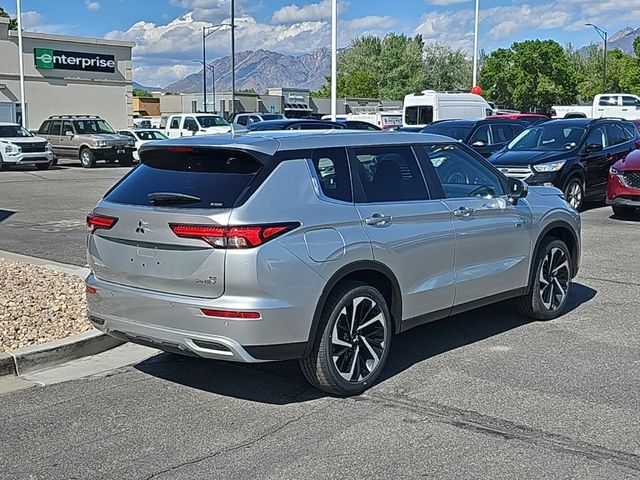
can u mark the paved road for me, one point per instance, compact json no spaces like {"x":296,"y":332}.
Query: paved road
{"x":43,"y":213}
{"x":486,"y":394}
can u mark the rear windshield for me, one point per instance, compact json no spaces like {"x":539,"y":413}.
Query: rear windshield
{"x":206,"y":178}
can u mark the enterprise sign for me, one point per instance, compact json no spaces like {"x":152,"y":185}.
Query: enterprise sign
{"x":48,"y":59}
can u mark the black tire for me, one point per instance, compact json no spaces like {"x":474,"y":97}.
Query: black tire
{"x":621,"y":211}
{"x":87,"y":158}
{"x":43,"y":166}
{"x":55,"y":161}
{"x":320,"y":368}
{"x":533,"y":303}
{"x":574,"y":192}
{"x":3,"y":166}
{"x":126,"y":162}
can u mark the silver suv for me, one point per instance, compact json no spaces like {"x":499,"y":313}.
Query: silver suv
{"x":319,"y":247}
{"x":88,"y":138}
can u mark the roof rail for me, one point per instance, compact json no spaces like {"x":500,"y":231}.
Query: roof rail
{"x":73,"y":116}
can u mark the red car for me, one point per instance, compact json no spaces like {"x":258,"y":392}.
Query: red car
{"x":623,"y":185}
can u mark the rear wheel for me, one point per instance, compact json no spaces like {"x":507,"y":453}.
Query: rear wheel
{"x":43,"y":166}
{"x":87,"y":158}
{"x":622,"y":211}
{"x":574,"y":192}
{"x":549,"y":289}
{"x":354,"y":337}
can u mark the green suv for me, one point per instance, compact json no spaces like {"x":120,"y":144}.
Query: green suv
{"x":88,"y":138}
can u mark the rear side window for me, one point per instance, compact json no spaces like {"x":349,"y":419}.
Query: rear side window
{"x":617,"y":134}
{"x":332,"y":169}
{"x":420,"y":115}
{"x":608,"y":100}
{"x":389,"y":174}
{"x":205,"y":178}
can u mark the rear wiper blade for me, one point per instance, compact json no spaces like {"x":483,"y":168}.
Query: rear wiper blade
{"x":158,"y":198}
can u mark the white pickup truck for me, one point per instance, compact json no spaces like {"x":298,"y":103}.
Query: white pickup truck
{"x":610,"y":105}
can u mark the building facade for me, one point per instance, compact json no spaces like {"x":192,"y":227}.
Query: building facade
{"x":65,"y":75}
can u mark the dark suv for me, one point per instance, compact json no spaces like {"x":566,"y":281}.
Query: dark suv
{"x":484,"y":136}
{"x":573,"y":155}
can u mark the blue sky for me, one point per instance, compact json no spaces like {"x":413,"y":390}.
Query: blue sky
{"x":167,"y":32}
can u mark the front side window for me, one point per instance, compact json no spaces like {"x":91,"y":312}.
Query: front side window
{"x":461,"y":175}
{"x":608,"y":101}
{"x":151,"y":135}
{"x":481,"y":137}
{"x":332,"y":169}
{"x":56,"y":127}
{"x":190,"y":124}
{"x":548,"y":137}
{"x":207,"y":121}
{"x":389,"y":174}
{"x":630,"y":101}
{"x":242,"y":120}
{"x":598,"y":136}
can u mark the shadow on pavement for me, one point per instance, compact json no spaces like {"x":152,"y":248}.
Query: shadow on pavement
{"x":282,"y":383}
{"x":4,"y":214}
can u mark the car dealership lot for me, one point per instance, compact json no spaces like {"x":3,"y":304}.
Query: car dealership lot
{"x":486,"y":394}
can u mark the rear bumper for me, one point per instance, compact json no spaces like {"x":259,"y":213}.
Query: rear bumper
{"x":176,"y":324}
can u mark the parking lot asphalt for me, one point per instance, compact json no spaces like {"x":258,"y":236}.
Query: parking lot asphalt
{"x":486,"y":394}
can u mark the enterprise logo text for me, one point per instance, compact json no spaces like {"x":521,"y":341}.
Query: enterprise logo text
{"x":57,"y":59}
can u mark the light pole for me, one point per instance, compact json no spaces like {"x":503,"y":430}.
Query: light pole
{"x":334,"y":59}
{"x":233,"y":59}
{"x":604,"y":36}
{"x":206,"y":31}
{"x":23,"y":103}
{"x":475,"y":45}
{"x":210,"y":67}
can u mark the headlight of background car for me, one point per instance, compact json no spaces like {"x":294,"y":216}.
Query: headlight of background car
{"x":49,"y":147}
{"x":131,"y":143}
{"x":101,"y":143}
{"x":12,"y":149}
{"x":549,"y":167}
{"x":614,"y":171}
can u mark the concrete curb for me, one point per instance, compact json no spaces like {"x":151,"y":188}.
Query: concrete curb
{"x":43,"y":262}
{"x":54,"y":353}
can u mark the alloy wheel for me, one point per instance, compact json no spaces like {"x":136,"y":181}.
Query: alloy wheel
{"x":573,"y":194}
{"x":359,"y":339}
{"x":554,"y":279}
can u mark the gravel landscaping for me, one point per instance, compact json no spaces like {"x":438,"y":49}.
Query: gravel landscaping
{"x":38,"y":305}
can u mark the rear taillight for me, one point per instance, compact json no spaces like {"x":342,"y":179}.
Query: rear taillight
{"x":95,"y":221}
{"x":246,"y":236}
{"x":210,"y":312}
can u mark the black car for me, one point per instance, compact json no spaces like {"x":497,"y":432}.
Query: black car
{"x":294,"y":124}
{"x":573,"y":155}
{"x":484,"y":136}
{"x":359,"y":125}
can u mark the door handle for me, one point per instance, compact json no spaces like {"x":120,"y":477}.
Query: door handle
{"x":464,"y":212}
{"x":378,"y":219}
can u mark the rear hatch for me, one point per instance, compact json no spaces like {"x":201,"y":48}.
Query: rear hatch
{"x":172,"y":186}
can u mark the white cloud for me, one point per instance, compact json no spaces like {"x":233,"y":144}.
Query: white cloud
{"x":161,"y":75}
{"x":92,"y":6}
{"x":33,"y":21}
{"x":308,"y":13}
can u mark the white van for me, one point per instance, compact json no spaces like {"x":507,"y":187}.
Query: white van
{"x":420,"y":109}
{"x":187,"y":124}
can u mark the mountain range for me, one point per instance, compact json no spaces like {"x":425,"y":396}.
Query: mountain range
{"x":261,"y":69}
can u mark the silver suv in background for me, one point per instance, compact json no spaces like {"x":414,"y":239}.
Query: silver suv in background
{"x":320,"y":247}
{"x":88,"y":138}
{"x":245,"y":119}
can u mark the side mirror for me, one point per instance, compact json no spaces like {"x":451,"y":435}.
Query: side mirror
{"x":594,"y":147}
{"x":68,"y":133}
{"x":479,"y":143}
{"x":517,"y":190}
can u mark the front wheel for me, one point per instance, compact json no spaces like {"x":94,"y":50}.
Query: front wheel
{"x":43,"y":166}
{"x":574,"y":192}
{"x":353,"y":342}
{"x":87,"y":158}
{"x":549,"y":289}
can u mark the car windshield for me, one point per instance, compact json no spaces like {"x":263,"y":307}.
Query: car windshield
{"x":207,"y":121}
{"x":86,"y":127}
{"x":457,"y":132}
{"x":151,"y":135}
{"x":272,"y":116}
{"x":547,"y":137}
{"x":8,"y":131}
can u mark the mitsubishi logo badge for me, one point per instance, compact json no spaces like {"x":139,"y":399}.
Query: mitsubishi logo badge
{"x":141,"y":227}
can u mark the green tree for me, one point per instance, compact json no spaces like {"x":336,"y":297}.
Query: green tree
{"x":447,"y":68}
{"x":13,"y":23}
{"x":530,"y":74}
{"x":139,"y":92}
